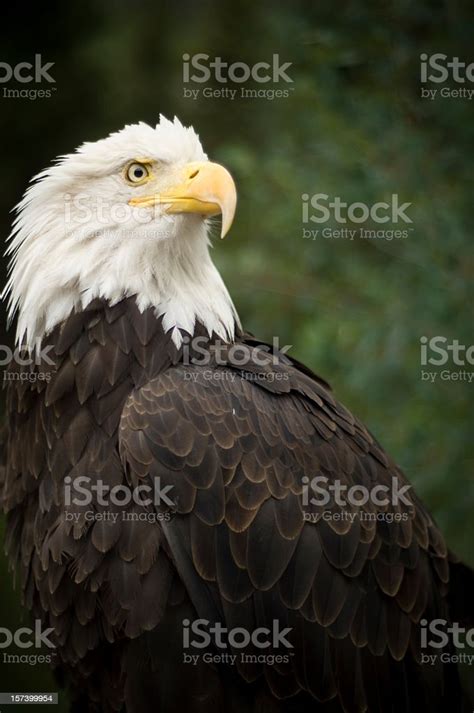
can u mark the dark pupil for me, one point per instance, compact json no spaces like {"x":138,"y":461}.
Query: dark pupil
{"x":138,"y":172}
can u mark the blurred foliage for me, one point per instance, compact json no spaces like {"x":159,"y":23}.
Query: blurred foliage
{"x":354,"y":126}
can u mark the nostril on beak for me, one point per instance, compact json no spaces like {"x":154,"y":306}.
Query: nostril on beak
{"x":194,"y":173}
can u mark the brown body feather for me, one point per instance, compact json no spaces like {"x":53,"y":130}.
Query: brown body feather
{"x":119,"y":404}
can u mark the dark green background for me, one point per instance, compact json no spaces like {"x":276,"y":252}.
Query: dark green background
{"x":354,"y":126}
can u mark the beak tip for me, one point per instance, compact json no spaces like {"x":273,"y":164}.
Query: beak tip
{"x":226,"y":226}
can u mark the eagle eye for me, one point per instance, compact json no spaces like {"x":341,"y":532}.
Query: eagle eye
{"x":137,"y":173}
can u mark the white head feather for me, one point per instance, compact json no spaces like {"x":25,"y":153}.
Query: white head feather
{"x":76,"y":238}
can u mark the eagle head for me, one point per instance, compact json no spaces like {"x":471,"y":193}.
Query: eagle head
{"x":124,"y":216}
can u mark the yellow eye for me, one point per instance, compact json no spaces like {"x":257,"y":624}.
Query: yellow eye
{"x":137,"y":172}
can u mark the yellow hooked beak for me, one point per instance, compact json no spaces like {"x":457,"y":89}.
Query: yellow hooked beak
{"x":202,"y":187}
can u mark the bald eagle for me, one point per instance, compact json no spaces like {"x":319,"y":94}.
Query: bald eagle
{"x":195,"y":519}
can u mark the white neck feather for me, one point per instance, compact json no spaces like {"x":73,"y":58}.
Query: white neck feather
{"x":53,"y":273}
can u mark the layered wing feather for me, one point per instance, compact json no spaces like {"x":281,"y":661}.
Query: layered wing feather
{"x":250,"y":546}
